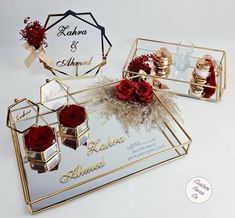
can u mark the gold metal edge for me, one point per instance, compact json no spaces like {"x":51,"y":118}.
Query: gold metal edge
{"x":105,"y":174}
{"x":134,"y":46}
{"x":183,"y":94}
{"x":171,"y":143}
{"x":176,"y":138}
{"x":170,"y":79}
{"x":181,"y":127}
{"x":225,"y":70}
{"x":110,"y":183}
{"x":174,"y":43}
{"x":20,"y":167}
{"x":184,"y":131}
{"x":28,"y":202}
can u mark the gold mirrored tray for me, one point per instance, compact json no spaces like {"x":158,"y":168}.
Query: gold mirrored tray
{"x":110,"y":154}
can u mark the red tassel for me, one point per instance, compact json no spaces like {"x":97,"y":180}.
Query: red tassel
{"x":208,"y":92}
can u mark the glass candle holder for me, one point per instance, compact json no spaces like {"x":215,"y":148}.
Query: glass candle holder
{"x":183,"y":55}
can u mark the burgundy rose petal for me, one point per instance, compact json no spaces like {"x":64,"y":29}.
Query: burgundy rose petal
{"x":39,"y":138}
{"x":144,"y":92}
{"x":125,"y":90}
{"x":72,"y":116}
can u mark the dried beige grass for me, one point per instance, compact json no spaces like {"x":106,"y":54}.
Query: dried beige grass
{"x":133,"y":114}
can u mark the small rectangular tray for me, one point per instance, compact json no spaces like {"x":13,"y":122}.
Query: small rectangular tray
{"x":138,"y":151}
{"x":179,"y":82}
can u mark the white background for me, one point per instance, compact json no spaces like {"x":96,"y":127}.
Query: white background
{"x":161,"y":191}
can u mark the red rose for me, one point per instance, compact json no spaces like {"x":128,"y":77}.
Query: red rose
{"x":144,"y":92}
{"x":72,"y":115}
{"x":39,"y":138}
{"x":125,"y":90}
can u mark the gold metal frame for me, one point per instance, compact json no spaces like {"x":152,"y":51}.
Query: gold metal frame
{"x":41,"y":154}
{"x":219,"y":89}
{"x":184,"y":145}
{"x":62,"y":85}
{"x":85,"y":133}
{"x":18,"y":101}
{"x":104,"y":52}
{"x":45,"y":165}
{"x":76,"y":135}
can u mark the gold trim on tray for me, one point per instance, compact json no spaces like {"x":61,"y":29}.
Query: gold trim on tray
{"x":185,"y":146}
{"x":222,"y":75}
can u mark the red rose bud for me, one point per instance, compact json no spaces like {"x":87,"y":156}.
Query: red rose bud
{"x":144,"y":92}
{"x":72,"y":116}
{"x":39,"y":138}
{"x":125,"y":90}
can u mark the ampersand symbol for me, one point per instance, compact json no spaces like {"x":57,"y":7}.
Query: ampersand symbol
{"x":74,"y":46}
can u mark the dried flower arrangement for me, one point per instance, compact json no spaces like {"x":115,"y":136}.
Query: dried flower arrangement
{"x":34,"y":33}
{"x":35,"y":36}
{"x":133,"y":103}
{"x":140,"y":63}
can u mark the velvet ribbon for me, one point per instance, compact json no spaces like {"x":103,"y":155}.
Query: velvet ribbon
{"x":208,"y":92}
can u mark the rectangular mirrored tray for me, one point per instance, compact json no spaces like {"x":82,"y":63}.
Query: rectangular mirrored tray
{"x":179,"y":81}
{"x":109,"y":156}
